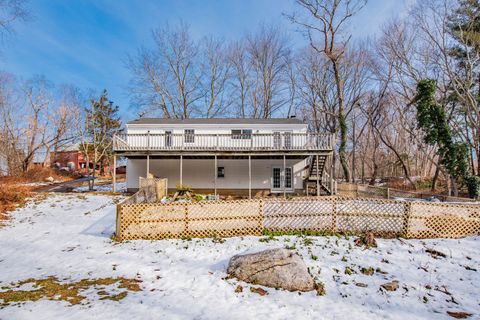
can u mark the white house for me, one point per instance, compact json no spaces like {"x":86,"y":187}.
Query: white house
{"x":227,"y":156}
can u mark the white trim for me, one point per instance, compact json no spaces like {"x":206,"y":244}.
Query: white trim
{"x":282,"y":180}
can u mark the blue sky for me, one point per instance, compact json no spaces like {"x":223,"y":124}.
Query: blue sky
{"x":85,"y":42}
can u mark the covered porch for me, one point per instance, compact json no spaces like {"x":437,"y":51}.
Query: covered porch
{"x":245,"y":175}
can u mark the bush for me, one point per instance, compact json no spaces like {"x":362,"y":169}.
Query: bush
{"x":473,"y":185}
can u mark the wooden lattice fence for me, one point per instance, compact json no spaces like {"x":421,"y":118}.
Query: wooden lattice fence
{"x":320,"y":214}
{"x":368,"y":191}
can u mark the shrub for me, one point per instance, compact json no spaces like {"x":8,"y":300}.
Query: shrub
{"x":473,"y":185}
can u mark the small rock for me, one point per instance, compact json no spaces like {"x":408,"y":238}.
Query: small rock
{"x":435,"y":254}
{"x":390,"y":286}
{"x":459,"y":315}
{"x":238,"y":289}
{"x":260,"y":291}
{"x":361,"y":285}
{"x":320,"y":287}
{"x":367,"y":240}
{"x":49,"y":179}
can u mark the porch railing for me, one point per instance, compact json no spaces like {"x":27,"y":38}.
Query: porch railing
{"x":223,"y":142}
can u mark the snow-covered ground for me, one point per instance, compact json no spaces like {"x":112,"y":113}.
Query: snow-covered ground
{"x":68,"y":236}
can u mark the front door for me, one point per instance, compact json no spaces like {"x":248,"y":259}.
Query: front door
{"x":276,"y":178}
{"x":282,"y":179}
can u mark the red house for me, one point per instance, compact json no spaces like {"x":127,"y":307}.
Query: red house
{"x":69,"y":158}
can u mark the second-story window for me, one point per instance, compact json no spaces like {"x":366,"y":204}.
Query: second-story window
{"x":242,"y":134}
{"x":189,"y":136}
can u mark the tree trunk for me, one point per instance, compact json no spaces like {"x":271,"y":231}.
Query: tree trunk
{"x":342,"y":122}
{"x":374,"y":174}
{"x":435,"y":178}
{"x":454,"y":186}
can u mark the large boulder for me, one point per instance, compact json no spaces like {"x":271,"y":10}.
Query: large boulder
{"x":276,"y":268}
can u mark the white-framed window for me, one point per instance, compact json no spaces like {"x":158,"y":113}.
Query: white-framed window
{"x":189,"y":135}
{"x":168,"y":138}
{"x":277,"y":140}
{"x":241,"y":133}
{"x":281,"y":178}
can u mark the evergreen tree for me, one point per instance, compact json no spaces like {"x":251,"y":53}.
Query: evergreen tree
{"x":102,"y":122}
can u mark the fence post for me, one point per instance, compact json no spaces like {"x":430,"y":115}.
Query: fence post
{"x":388,"y":193}
{"x":187,"y":232}
{"x":406,"y":218}
{"x":334,"y":214}
{"x":117,"y":224}
{"x":261,"y":216}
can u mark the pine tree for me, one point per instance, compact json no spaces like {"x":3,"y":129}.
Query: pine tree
{"x":102,"y":122}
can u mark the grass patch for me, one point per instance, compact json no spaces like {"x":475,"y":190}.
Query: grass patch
{"x":272,"y":233}
{"x":268,"y":239}
{"x":52,"y":289}
{"x":368,"y":271}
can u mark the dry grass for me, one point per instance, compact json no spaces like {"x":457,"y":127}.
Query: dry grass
{"x":52,"y":289}
{"x":39,"y":174}
{"x":14,"y":190}
{"x":12,"y":195}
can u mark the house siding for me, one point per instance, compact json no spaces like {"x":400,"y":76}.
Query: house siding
{"x":200,"y":173}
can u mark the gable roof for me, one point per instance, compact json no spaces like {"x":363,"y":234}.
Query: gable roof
{"x":217,"y":121}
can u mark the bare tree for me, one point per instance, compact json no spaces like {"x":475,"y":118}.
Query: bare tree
{"x":269,"y":56}
{"x":12,"y":11}
{"x":240,"y":77}
{"x":11,"y":152}
{"x":216,"y":73}
{"x":167,"y":79}
{"x":324,"y":25}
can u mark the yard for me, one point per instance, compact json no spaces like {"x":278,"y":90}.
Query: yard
{"x":68,"y":237}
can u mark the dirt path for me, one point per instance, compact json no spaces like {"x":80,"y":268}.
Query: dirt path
{"x":64,"y":186}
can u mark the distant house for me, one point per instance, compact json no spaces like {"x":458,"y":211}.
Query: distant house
{"x":241,"y":156}
{"x":69,"y":158}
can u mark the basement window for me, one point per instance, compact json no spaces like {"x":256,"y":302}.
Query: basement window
{"x":220,"y":172}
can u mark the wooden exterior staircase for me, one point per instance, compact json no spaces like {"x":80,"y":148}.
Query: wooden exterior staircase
{"x":316,"y":172}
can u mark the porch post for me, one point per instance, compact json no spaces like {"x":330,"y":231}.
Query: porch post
{"x":284,"y":177}
{"x":215,"y":177}
{"x":318,"y":179}
{"x":148,"y":153}
{"x":249,"y":177}
{"x":333,"y":190}
{"x":148,"y":165}
{"x":114,"y":177}
{"x":181,"y":170}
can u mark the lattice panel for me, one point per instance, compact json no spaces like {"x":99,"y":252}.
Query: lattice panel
{"x":433,"y":220}
{"x":314,"y":214}
{"x":361,"y":215}
{"x":188,"y":220}
{"x":250,"y":217}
